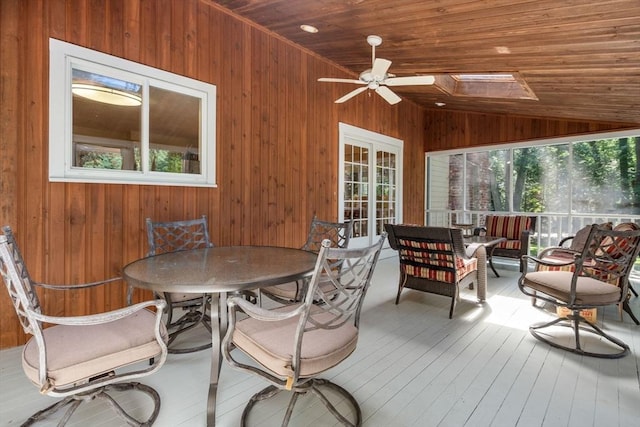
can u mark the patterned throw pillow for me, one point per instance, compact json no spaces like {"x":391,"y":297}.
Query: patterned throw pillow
{"x":580,"y":239}
{"x":614,"y":247}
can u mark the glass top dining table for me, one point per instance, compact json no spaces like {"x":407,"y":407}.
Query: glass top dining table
{"x":218,"y":271}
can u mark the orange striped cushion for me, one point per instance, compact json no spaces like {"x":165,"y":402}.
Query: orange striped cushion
{"x":434,"y":261}
{"x":507,"y":226}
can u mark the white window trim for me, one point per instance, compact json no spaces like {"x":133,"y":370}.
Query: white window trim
{"x":61,"y":60}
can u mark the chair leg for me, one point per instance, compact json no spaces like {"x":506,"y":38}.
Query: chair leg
{"x":101,"y":393}
{"x":578,"y":324}
{"x":313,"y":386}
{"x":187,"y":322}
{"x":453,"y":304}
{"x":401,"y":284}
{"x":626,"y":307}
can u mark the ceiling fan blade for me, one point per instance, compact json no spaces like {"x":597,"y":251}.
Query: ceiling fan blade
{"x":331,"y":79}
{"x":351,"y":94}
{"x":410,"y":80}
{"x":388,"y":95}
{"x":380,"y":67}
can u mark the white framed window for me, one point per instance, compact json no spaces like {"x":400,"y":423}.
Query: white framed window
{"x":116,"y":121}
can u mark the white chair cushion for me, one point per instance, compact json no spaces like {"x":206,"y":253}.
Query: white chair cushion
{"x":272,"y":343}
{"x":558,"y":285}
{"x":76,"y":353}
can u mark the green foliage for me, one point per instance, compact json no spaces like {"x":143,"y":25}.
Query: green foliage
{"x":605,"y":177}
{"x":165,"y":161}
{"x":604,"y":174}
{"x":97,"y":160}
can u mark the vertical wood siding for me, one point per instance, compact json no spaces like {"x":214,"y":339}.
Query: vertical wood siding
{"x":446,"y":130}
{"x":277,"y":141}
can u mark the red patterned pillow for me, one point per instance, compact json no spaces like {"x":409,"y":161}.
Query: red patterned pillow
{"x":615,"y":247}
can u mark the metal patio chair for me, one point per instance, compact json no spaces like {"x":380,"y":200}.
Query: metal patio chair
{"x":599,"y":277}
{"x":173,"y":236}
{"x":82,"y":358}
{"x":339,"y":233}
{"x":290,"y":346}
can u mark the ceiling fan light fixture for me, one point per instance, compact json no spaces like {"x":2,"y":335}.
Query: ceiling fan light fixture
{"x":308,"y":28}
{"x":106,"y":95}
{"x":374,"y":40}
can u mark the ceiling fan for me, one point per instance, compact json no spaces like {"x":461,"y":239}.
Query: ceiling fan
{"x":378,"y":79}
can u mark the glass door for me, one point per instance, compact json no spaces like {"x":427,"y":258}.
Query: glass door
{"x":370,"y":182}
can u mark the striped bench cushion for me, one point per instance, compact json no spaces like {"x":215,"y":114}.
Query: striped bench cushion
{"x":510,"y":227}
{"x":433,"y":261}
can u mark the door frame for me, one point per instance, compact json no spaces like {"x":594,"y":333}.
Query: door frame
{"x":349,"y":134}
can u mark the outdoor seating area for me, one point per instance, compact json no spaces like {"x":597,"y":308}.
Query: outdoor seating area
{"x":412,"y":362}
{"x":344,"y":213}
{"x":328,"y":306}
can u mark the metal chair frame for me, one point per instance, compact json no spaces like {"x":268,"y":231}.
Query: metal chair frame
{"x":339,"y":233}
{"x":173,"y":236}
{"x":608,"y":257}
{"x":22,"y":291}
{"x":338,"y":307}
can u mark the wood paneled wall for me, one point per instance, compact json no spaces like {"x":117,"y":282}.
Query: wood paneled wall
{"x":277,"y":141}
{"x":446,"y":129}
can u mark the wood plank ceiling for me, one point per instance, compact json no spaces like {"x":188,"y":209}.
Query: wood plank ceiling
{"x":581,"y":58}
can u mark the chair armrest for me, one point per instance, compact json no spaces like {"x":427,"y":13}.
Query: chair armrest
{"x":526,"y":258}
{"x":259,"y":313}
{"x":96,"y":319}
{"x":78,"y":286}
{"x":566,"y":239}
{"x":478,"y":230}
{"x":551,"y":249}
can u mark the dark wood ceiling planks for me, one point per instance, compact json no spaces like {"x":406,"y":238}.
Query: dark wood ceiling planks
{"x":581,"y":58}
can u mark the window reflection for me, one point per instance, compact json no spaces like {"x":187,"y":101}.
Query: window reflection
{"x":174,"y":132}
{"x":106,"y":121}
{"x":107,"y":126}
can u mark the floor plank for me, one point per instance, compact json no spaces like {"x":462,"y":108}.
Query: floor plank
{"x":413,"y":367}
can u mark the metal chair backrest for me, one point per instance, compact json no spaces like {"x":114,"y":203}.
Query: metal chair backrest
{"x":329,"y":307}
{"x":177,"y":235}
{"x":339,"y":233}
{"x":19,"y":283}
{"x":609,"y":256}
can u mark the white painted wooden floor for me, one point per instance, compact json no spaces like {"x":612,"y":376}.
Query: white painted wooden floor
{"x":413,"y":367}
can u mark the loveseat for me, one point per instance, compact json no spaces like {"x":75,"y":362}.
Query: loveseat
{"x":517,"y":229}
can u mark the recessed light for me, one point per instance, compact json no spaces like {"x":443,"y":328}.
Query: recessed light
{"x":308,"y":28}
{"x":502,"y":50}
{"x":440,"y":104}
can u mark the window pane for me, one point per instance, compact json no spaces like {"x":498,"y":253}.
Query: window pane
{"x":483,"y":181}
{"x":106,"y":121}
{"x":498,"y":180}
{"x":541,"y":179}
{"x":356,"y":188}
{"x":604,"y":176}
{"x":174,"y":132}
